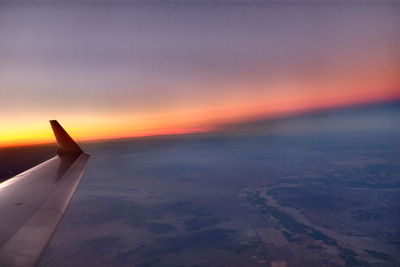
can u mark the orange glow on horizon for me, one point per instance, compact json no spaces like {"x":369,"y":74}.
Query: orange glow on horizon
{"x":262,"y":99}
{"x":87,"y":130}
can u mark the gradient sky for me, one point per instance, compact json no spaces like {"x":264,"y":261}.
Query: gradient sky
{"x":107,"y":70}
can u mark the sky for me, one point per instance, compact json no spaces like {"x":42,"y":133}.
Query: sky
{"x":122,"y":69}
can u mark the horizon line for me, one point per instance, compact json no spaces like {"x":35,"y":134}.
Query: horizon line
{"x":214,"y":129}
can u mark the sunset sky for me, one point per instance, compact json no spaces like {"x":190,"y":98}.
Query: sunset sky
{"x":109,"y":70}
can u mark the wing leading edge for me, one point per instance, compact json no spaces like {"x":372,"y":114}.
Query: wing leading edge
{"x":33,"y":202}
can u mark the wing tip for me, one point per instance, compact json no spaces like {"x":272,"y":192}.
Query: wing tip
{"x":66,"y":145}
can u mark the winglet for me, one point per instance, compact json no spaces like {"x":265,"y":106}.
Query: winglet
{"x":66,"y":145}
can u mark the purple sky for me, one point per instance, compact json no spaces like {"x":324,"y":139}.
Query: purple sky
{"x":180,"y":64}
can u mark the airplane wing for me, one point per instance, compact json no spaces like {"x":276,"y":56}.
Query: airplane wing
{"x":33,"y":202}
